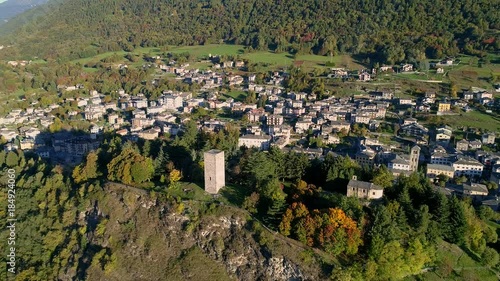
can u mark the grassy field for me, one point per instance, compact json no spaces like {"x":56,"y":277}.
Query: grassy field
{"x":268,"y":59}
{"x":420,"y":76}
{"x":474,"y":119}
{"x":455,"y":264}
{"x":204,"y":50}
{"x":470,"y":71}
{"x":283,"y":59}
{"x":189,"y":191}
{"x":236,"y":95}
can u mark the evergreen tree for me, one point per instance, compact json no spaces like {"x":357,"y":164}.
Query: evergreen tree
{"x":3,"y":155}
{"x":442,"y":214}
{"x":383,"y":177}
{"x":12,"y":159}
{"x":457,"y":220}
{"x":160,"y":162}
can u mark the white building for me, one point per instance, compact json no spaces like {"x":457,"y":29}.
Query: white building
{"x":172,"y":102}
{"x":488,"y":138}
{"x":443,"y":134}
{"x":399,"y":164}
{"x":8,"y":134}
{"x":260,"y":142}
{"x":32,"y":133}
{"x":468,"y":167}
{"x":139,"y":102}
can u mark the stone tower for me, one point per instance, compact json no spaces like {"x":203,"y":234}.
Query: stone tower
{"x":414,"y":156}
{"x":214,"y":171}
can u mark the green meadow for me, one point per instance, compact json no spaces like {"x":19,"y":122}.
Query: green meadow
{"x":267,"y":59}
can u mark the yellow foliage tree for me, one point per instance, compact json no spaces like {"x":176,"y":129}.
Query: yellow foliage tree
{"x":173,"y":177}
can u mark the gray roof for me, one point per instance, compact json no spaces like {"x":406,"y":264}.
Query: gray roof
{"x":400,"y":160}
{"x":214,"y":151}
{"x":364,"y":185}
{"x":256,"y":137}
{"x":475,"y":187}
{"x":440,"y":167}
{"x":468,"y":161}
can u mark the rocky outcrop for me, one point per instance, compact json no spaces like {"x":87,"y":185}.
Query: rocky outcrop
{"x":145,"y":238}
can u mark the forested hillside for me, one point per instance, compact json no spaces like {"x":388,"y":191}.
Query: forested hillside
{"x":107,"y":231}
{"x":125,"y":214}
{"x":384,"y":30}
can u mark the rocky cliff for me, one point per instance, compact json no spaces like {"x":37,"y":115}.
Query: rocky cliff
{"x":135,"y":235}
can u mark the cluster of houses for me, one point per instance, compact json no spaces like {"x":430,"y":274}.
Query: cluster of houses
{"x":366,"y":75}
{"x":285,"y":119}
{"x":443,"y":160}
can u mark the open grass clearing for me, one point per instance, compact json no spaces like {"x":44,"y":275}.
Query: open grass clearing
{"x":189,"y":191}
{"x":267,"y":59}
{"x":474,"y":119}
{"x":455,"y":264}
{"x":236,"y":95}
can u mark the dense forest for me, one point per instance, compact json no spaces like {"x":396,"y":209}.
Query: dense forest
{"x":385,"y":31}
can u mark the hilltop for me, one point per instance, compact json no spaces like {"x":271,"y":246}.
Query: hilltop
{"x":116,"y":232}
{"x":383,"y":31}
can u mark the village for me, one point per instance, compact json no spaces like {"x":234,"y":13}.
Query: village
{"x":375,"y":128}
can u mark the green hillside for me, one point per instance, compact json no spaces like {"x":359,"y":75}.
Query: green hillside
{"x":385,"y":31}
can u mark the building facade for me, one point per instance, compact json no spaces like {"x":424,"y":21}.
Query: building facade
{"x":260,"y":142}
{"x":434,"y":170}
{"x":468,"y":167}
{"x":214,"y":171}
{"x":488,"y":138}
{"x":365,"y":190}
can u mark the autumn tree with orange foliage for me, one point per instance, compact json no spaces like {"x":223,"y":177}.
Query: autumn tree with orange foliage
{"x":302,"y":189}
{"x":331,"y":229}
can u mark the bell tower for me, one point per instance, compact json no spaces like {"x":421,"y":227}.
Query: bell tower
{"x":414,"y":156}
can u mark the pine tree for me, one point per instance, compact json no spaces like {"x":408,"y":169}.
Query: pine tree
{"x":442,"y":215}
{"x":458,"y":223}
{"x":160,"y":162}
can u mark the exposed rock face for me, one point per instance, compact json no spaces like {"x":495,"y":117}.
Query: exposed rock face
{"x":283,"y":269}
{"x":147,"y":239}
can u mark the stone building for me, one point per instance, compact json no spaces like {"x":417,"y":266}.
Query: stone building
{"x":364,"y":190}
{"x":214,"y":171}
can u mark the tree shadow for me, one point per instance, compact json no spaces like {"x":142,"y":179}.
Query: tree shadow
{"x":66,"y":147}
{"x":471,"y":254}
{"x":235,"y":194}
{"x":360,"y":58}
